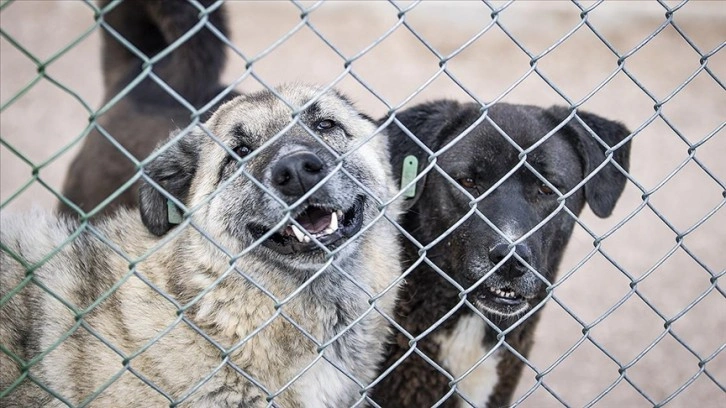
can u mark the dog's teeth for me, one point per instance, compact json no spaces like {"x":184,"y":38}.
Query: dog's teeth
{"x":339,"y":213}
{"x":501,"y":293}
{"x":333,"y":223}
{"x":306,"y":239}
{"x":328,"y":231}
{"x":298,"y":234}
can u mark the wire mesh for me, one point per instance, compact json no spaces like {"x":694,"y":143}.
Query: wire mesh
{"x":636,"y":313}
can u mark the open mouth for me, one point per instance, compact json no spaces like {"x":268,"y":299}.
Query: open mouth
{"x":503,"y":301}
{"x":329,"y":226}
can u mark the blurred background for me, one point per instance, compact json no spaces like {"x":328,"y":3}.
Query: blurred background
{"x":670,"y":92}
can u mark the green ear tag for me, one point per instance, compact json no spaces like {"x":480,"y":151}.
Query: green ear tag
{"x":175,"y":216}
{"x":408,"y":173}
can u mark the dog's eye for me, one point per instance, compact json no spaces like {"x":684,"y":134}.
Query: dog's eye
{"x":242,"y":151}
{"x":545,"y":190}
{"x":325,"y":124}
{"x":467,"y":182}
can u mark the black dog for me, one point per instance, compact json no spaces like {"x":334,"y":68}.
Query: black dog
{"x":466,"y":214}
{"x":146,"y":115}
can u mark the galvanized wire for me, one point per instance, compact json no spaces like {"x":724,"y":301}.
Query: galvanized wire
{"x":401,"y":12}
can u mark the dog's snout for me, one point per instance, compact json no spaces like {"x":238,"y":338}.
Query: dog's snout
{"x":297,"y":173}
{"x":512,"y":268}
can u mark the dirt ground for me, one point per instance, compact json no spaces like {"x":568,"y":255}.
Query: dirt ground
{"x":668,"y":332}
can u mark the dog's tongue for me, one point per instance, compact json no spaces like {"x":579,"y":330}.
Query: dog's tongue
{"x":314,"y":220}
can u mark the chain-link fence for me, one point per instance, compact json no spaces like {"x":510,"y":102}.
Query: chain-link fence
{"x":636,"y":316}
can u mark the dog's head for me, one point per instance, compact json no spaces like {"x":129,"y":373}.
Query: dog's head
{"x":495,"y":203}
{"x":290,"y":173}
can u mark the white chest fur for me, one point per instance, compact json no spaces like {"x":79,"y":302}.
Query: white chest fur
{"x":461,"y":350}
{"x":324,"y":385}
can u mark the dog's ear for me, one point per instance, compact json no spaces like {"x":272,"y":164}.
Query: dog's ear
{"x":173,"y":171}
{"x":604,"y":188}
{"x":430,"y":123}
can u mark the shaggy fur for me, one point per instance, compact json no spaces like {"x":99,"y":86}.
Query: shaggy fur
{"x":500,"y":282}
{"x":229,"y":308}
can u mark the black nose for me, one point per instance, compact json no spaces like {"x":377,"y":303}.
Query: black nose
{"x":512,"y":268}
{"x":296,"y":174}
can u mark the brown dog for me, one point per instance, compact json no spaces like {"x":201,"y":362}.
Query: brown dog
{"x":147,"y":111}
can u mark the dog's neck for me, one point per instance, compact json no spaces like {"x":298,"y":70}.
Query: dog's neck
{"x":195,"y":274}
